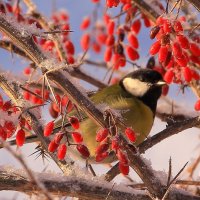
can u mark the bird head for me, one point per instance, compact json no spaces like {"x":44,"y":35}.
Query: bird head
{"x":145,"y":84}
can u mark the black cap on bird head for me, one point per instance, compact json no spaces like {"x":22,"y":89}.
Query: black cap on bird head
{"x":145,"y":84}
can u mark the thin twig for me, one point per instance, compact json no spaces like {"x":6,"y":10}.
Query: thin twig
{"x":169,"y":172}
{"x":29,"y":172}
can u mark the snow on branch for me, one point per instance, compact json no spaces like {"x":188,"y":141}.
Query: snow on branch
{"x":59,"y":185}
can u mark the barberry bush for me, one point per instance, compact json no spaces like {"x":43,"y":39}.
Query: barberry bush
{"x":98,"y":48}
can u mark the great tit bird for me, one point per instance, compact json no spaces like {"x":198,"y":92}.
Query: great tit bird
{"x":135,"y":98}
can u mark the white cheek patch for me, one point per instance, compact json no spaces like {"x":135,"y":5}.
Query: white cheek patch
{"x":136,"y":87}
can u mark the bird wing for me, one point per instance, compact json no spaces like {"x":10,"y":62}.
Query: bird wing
{"x":131,"y":111}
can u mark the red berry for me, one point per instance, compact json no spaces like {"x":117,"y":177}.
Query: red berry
{"x":64,"y":16}
{"x":27,"y":95}
{"x":160,"y":34}
{"x":85,"y":41}
{"x":118,"y":60}
{"x":127,"y":6}
{"x":9,"y":126}
{"x":101,"y":38}
{"x":115,"y":143}
{"x":70,"y":106}
{"x":95,"y":1}
{"x":182,"y":61}
{"x":165,"y":90}
{"x":101,"y":157}
{"x":132,"y":53}
{"x":96,"y":47}
{"x":177,"y":51}
{"x":74,"y":122}
{"x":197,"y":105}
{"x":154,"y":31}
{"x":193,"y":58}
{"x":162,"y":54}
{"x":187,"y":74}
{"x":65,"y":27}
{"x":182,"y":19}
{"x":155,"y":47}
{"x":110,"y":40}
{"x":3,"y":134}
{"x":106,"y":18}
{"x":111,"y":3}
{"x":58,"y":137}
{"x":194,"y":49}
{"x":178,"y":26}
{"x":70,"y":59}
{"x":85,"y":23}
{"x":108,"y":54}
{"x":48,"y":128}
{"x":133,"y":40}
{"x":52,"y":146}
{"x":62,"y":150}
{"x":195,"y":75}
{"x":146,"y":20}
{"x":160,"y":20}
{"x":48,"y":45}
{"x":77,"y":137}
{"x":27,"y":71}
{"x":20,"y":137}
{"x":64,"y":100}
{"x":69,"y":46}
{"x":124,"y":168}
{"x":167,"y":28}
{"x":131,"y":135}
{"x":102,"y":148}
{"x":101,"y":134}
{"x":83,"y":150}
{"x":122,"y":157}
{"x":9,"y":7}
{"x":136,"y":26}
{"x":52,"y":111}
{"x":6,"y":106}
{"x":111,"y":27}
{"x":183,"y":41}
{"x":169,"y":75}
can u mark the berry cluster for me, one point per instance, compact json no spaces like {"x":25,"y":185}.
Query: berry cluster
{"x":108,"y":143}
{"x":8,"y":127}
{"x":60,"y":21}
{"x":120,"y":41}
{"x":61,"y":139}
{"x":177,"y":54}
{"x":175,"y":51}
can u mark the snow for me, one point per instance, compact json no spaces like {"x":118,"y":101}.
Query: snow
{"x":24,"y":29}
{"x":160,"y":175}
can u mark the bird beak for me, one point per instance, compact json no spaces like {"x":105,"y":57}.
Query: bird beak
{"x":161,"y":83}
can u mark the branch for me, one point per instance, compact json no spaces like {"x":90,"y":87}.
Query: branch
{"x":147,"y":9}
{"x":32,"y":177}
{"x":195,"y":3}
{"x":176,"y":128}
{"x":44,"y":24}
{"x":79,"y":187}
{"x":67,"y":186}
{"x":13,"y":91}
{"x":74,"y":71}
{"x":7,"y":45}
